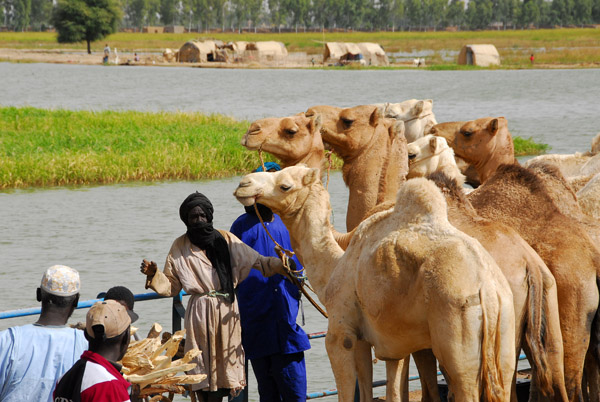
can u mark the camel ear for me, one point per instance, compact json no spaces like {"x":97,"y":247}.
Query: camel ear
{"x":493,"y":126}
{"x":375,"y":117}
{"x":311,"y":176}
{"x":418,"y":108}
{"x":396,"y":129}
{"x":315,"y":124}
{"x":433,"y":144}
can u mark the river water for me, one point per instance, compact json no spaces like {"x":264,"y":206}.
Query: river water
{"x":105,"y":231}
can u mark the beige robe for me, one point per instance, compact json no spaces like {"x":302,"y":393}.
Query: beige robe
{"x":212,"y":324}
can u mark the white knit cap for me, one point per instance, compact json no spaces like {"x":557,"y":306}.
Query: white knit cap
{"x":61,"y":280}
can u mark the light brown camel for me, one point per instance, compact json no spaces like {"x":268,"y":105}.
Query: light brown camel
{"x":292,"y":139}
{"x":375,"y":160}
{"x":400,"y":284}
{"x":417,"y":116}
{"x":520,"y":198}
{"x":485,"y":143}
{"x":431,"y":154}
{"x":588,"y":197}
{"x":571,"y":164}
{"x":533,"y":286}
{"x":448,"y":130}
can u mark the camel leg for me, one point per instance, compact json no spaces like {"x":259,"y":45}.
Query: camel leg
{"x":340,"y":347}
{"x":404,"y":379}
{"x":592,"y":379}
{"x":576,"y":322}
{"x":364,"y":370}
{"x":394,"y":371}
{"x":427,"y":366}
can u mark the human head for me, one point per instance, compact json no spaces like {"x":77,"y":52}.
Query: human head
{"x":270,"y":166}
{"x":107,"y":329}
{"x":124,"y":296}
{"x":196,"y":207}
{"x":59,"y":290}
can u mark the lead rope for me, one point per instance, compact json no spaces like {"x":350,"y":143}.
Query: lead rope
{"x":285,"y":255}
{"x":262,"y":162}
{"x":329,"y":164}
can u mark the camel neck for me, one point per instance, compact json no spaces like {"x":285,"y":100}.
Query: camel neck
{"x":312,"y":238}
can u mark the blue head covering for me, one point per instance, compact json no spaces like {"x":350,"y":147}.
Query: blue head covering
{"x":269,"y":166}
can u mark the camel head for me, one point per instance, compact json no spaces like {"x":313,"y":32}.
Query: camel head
{"x":448,"y":130}
{"x":350,"y":131}
{"x":477,"y":140}
{"x":284,"y":191}
{"x":294,"y":139}
{"x":424,"y":155}
{"x":417,"y":115}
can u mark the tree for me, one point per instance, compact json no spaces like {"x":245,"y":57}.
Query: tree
{"x":137,"y":10}
{"x":85,"y":20}
{"x":18,"y":13}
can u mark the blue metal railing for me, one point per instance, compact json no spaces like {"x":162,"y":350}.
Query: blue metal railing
{"x":178,"y":313}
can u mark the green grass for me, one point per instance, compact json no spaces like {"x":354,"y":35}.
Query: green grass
{"x":527,"y":146}
{"x":42,"y":148}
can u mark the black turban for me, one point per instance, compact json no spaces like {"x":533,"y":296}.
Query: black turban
{"x":205,"y":237}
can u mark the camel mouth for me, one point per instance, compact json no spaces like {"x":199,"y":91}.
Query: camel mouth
{"x":246,"y":200}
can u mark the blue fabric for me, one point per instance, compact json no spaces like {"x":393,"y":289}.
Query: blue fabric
{"x":268,"y":306}
{"x":268,"y":166}
{"x":281,"y":378}
{"x":32,"y":359}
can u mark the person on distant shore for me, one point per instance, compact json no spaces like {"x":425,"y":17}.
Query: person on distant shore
{"x":531,"y":58}
{"x":124,"y":296}
{"x":96,"y":377}
{"x":273,"y":341}
{"x":34,"y":356}
{"x":209,"y":264}
{"x":136,"y":58}
{"x":106,"y":54}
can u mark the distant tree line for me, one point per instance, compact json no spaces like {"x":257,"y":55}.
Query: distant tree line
{"x":299,"y":15}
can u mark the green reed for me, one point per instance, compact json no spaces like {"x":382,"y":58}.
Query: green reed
{"x":41,"y":148}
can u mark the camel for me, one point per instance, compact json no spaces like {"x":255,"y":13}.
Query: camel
{"x":522,"y":199}
{"x":537,"y":326}
{"x":417,"y":116}
{"x":374,"y":155}
{"x":430,"y":154}
{"x":571,"y":165}
{"x":448,"y":130}
{"x":292,"y":140}
{"x":400,"y":284}
{"x":588,"y":197}
{"x":485,"y":143}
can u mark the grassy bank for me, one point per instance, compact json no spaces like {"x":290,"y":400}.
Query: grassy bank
{"x":574,"y":47}
{"x":58,"y":147}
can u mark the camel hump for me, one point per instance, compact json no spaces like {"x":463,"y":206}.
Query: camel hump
{"x":420,"y":199}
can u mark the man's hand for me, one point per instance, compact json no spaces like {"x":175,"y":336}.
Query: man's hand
{"x":148,"y":268}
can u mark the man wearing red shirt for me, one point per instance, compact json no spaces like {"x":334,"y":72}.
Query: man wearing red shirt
{"x":96,"y":377}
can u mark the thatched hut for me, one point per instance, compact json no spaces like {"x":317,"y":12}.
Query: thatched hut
{"x":267,"y":49}
{"x":373,"y":54}
{"x":479,"y":55}
{"x":196,"y":52}
{"x":342,"y":52}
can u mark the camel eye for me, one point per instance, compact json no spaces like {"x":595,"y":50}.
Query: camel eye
{"x":412,"y":156}
{"x":284,"y":187}
{"x":347,"y":122}
{"x":291,"y":131}
{"x":467,"y":133}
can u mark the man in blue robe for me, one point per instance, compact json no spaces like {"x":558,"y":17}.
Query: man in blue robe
{"x":273,"y":341}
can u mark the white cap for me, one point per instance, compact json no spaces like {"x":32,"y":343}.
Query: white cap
{"x":61,"y":280}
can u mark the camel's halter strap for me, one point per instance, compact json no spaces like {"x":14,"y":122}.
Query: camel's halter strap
{"x":285,"y":255}
{"x":417,"y":118}
{"x":329,"y":163}
{"x":418,"y":161}
{"x":262,"y":162}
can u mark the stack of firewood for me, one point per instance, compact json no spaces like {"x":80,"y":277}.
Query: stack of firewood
{"x":149,"y":364}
